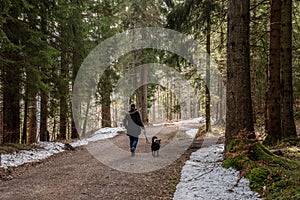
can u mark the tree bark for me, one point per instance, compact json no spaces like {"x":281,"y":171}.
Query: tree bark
{"x":144,"y":99}
{"x":63,"y":105}
{"x":85,"y":120}
{"x":1,"y":108}
{"x":106,"y":114}
{"x":105,"y":91}
{"x":188,"y":102}
{"x":11,"y":108}
{"x":144,"y":89}
{"x":287,"y":113}
{"x":44,"y":133}
{"x":32,"y":123}
{"x":239,"y":114}
{"x":77,"y":53}
{"x":25,"y":118}
{"x":273,"y":107}
{"x":207,"y":81}
{"x":64,"y":83}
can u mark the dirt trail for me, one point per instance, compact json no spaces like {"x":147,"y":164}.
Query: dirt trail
{"x":78,"y":175}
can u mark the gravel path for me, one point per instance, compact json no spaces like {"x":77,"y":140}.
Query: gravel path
{"x":78,"y":175}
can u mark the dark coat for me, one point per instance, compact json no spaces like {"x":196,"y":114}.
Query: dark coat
{"x":133,"y":123}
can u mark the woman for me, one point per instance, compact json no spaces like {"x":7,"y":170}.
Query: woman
{"x":133,"y":124}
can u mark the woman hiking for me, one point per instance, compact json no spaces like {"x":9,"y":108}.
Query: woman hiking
{"x":134,"y":125}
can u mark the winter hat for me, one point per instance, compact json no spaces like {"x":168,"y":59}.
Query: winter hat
{"x":132,"y":106}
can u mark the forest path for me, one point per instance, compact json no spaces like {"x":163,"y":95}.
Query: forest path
{"x":78,"y":175}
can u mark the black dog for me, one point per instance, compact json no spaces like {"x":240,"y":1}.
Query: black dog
{"x":155,"y":146}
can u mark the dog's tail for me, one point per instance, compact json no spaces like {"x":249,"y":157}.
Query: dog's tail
{"x":153,"y":138}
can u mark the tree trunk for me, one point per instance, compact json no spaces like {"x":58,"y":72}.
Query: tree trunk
{"x":44,"y":134}
{"x":188,"y":102}
{"x":63,"y":105}
{"x":77,"y":53}
{"x":106,"y":90}
{"x":63,"y":84}
{"x":31,"y":121}
{"x":207,"y":81}
{"x":85,"y":120}
{"x":273,"y":110}
{"x":253,"y":71}
{"x":144,"y":89}
{"x":1,"y":108}
{"x":11,"y":106}
{"x":154,"y":108}
{"x":106,"y":114}
{"x":288,"y":123}
{"x":25,"y":118}
{"x":239,"y":114}
{"x":144,"y":99}
{"x":220,"y":120}
{"x":11,"y":81}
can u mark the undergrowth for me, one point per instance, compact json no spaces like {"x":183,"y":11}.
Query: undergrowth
{"x":272,"y":176}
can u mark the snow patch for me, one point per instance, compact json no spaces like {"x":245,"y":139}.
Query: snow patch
{"x":203,"y":177}
{"x":192,"y":133}
{"x":188,"y":121}
{"x":101,"y":134}
{"x":50,"y":148}
{"x":26,"y":156}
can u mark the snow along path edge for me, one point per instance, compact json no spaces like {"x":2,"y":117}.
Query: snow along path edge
{"x":50,"y":148}
{"x":203,"y":177}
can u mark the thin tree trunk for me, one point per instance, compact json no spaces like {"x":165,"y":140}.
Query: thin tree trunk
{"x":144,"y":89}
{"x":63,"y":86}
{"x":253,"y":73}
{"x":63,"y":105}
{"x":25,"y":118}
{"x":44,"y":133}
{"x":207,"y":80}
{"x":188,"y":103}
{"x":288,"y":123}
{"x":106,"y":90}
{"x":1,"y":110}
{"x":253,"y":89}
{"x":77,"y":56}
{"x":154,"y":109}
{"x":273,"y":108}
{"x":144,"y":99}
{"x":85,"y":120}
{"x":32,"y":123}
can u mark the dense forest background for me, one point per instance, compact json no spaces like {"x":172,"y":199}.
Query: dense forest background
{"x":43,"y":43}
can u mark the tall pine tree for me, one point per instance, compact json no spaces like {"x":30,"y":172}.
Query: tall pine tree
{"x":239,"y":114}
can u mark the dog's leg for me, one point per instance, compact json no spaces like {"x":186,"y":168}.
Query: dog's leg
{"x":154,"y":153}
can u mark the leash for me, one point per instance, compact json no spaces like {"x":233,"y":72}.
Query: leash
{"x":147,"y":141}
